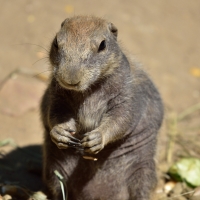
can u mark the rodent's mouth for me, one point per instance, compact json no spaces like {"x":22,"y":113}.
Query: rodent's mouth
{"x":69,"y":86}
{"x":73,"y":85}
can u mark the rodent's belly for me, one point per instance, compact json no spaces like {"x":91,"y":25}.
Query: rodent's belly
{"x":95,"y":179}
{"x":114,"y":168}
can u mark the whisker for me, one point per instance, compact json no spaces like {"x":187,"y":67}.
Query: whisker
{"x":34,"y":45}
{"x":42,"y":72}
{"x":39,"y":60}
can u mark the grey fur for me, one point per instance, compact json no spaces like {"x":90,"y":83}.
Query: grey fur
{"x":114,"y":112}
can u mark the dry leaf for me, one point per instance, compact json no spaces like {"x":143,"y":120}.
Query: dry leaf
{"x":169,"y":186}
{"x":15,"y":191}
{"x":5,"y":197}
{"x":41,"y":54}
{"x":195,"y":71}
{"x":31,"y":18}
{"x":69,"y":9}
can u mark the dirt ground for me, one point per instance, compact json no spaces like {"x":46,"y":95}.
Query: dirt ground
{"x":163,"y":35}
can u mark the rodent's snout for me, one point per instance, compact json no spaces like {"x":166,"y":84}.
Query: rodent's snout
{"x":69,"y":77}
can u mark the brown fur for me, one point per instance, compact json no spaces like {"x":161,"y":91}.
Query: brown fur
{"x":96,"y":106}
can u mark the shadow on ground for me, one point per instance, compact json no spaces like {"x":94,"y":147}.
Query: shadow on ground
{"x":22,"y":167}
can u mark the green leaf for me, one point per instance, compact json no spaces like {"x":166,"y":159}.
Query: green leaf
{"x":188,"y":170}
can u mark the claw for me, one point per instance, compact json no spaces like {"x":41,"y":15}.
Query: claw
{"x":75,"y":139}
{"x":71,"y":131}
{"x":80,"y":148}
{"x":73,"y":144}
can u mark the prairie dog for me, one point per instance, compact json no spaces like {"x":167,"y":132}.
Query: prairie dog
{"x":97,"y":105}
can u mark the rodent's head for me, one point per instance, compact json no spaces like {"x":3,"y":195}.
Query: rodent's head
{"x":84,"y":51}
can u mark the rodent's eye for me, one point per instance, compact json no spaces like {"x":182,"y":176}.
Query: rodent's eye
{"x":55,"y":43}
{"x":102,"y":46}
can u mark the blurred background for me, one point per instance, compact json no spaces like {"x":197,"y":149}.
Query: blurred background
{"x":163,"y":35}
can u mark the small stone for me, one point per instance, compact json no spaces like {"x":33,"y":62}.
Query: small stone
{"x":20,"y":94}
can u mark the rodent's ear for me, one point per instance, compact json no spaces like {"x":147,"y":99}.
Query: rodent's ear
{"x":63,"y":22}
{"x":113,"y":29}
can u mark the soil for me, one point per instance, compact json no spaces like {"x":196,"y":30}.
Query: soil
{"x":162,"y":35}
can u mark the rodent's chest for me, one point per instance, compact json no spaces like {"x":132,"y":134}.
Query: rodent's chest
{"x":90,"y":113}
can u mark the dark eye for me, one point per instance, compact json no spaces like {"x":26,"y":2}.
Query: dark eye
{"x":55,"y":43}
{"x":102,"y":46}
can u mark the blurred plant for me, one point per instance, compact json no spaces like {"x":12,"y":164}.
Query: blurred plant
{"x":174,"y":133}
{"x":186,"y":170}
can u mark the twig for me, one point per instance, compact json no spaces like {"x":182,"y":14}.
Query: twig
{"x":14,"y":72}
{"x":90,"y":158}
{"x":172,"y":135}
{"x":184,"y":147}
{"x":188,"y":111}
{"x":171,"y":198}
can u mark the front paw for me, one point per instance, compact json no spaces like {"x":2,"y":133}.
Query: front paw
{"x":63,"y":137}
{"x":92,"y":142}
